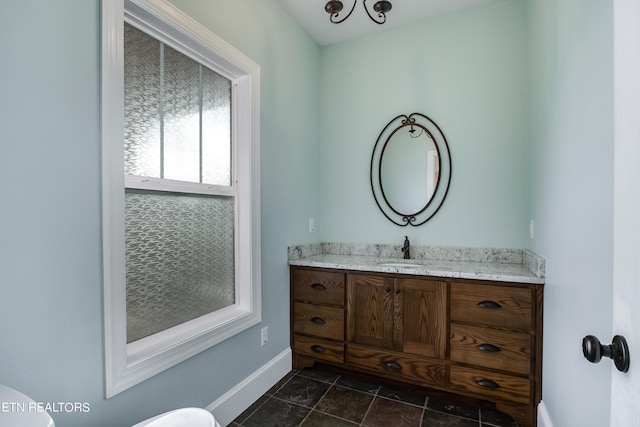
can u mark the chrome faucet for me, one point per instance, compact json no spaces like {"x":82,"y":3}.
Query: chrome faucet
{"x":406,"y":248}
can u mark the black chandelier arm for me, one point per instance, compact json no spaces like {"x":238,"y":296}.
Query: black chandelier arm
{"x":381,"y":14}
{"x":334,"y":8}
{"x":380,"y":7}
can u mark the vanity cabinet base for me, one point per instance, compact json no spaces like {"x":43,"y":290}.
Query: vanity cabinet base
{"x":472,"y":342}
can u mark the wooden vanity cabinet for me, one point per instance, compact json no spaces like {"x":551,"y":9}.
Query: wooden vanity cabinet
{"x":317,"y":314}
{"x":397,"y":327}
{"x":496,"y":345}
{"x":401,"y":314}
{"x":474,"y":338}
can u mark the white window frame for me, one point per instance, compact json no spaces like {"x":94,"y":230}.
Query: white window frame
{"x":129,"y":364}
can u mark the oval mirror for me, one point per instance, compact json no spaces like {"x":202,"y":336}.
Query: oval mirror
{"x":410,"y":169}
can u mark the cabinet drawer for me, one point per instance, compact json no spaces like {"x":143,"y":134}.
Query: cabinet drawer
{"x":320,"y":321}
{"x":503,"y":306}
{"x":319,"y":348}
{"x":398,"y":366}
{"x":318,"y":287}
{"x":491,"y":348}
{"x":490,"y":384}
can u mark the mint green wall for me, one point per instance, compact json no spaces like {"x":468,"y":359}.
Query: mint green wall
{"x":467,"y":71}
{"x":521,"y":89}
{"x":51,"y":329}
{"x":523,"y":93}
{"x":571,"y":198}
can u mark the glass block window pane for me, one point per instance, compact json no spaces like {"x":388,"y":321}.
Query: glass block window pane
{"x":179,"y":259}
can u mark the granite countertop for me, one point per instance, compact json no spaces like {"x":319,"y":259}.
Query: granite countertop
{"x":505,"y":265}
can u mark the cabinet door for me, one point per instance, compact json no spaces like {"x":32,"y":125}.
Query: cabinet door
{"x":421,"y":317}
{"x":370,"y":308}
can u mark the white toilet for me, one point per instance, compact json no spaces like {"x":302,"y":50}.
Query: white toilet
{"x":187,"y":417}
{"x":18,"y":410}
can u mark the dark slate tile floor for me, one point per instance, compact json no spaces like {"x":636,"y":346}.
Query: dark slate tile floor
{"x":316,"y":398}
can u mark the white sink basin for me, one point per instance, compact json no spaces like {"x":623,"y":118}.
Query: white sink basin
{"x":401,"y":265}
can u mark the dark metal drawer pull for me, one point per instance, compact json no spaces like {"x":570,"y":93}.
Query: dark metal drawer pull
{"x":489,"y":304}
{"x":488,"y":347}
{"x":319,"y":287}
{"x":488,"y":384}
{"x":318,"y":348}
{"x":318,"y":320}
{"x":393,"y":365}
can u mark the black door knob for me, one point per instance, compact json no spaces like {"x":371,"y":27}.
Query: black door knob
{"x":618,"y":351}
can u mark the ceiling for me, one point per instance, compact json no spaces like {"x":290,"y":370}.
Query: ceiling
{"x":312,"y":16}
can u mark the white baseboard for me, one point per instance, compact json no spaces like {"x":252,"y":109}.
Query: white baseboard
{"x":234,"y":402}
{"x":544,"y":420}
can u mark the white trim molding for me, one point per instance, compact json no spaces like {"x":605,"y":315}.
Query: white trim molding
{"x":233,"y":403}
{"x":129,"y":364}
{"x":544,"y":420}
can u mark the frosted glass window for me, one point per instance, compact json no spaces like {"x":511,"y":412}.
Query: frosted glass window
{"x":179,"y":246}
{"x":216,"y":129}
{"x":142,"y":129}
{"x":181,"y":108}
{"x":180,"y":114}
{"x":179,"y":259}
{"x":177,"y":114}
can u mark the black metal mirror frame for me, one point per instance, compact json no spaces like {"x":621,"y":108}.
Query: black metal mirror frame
{"x":442,"y":187}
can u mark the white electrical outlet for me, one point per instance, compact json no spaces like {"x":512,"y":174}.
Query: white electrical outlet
{"x":312,"y":225}
{"x":264,"y":335}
